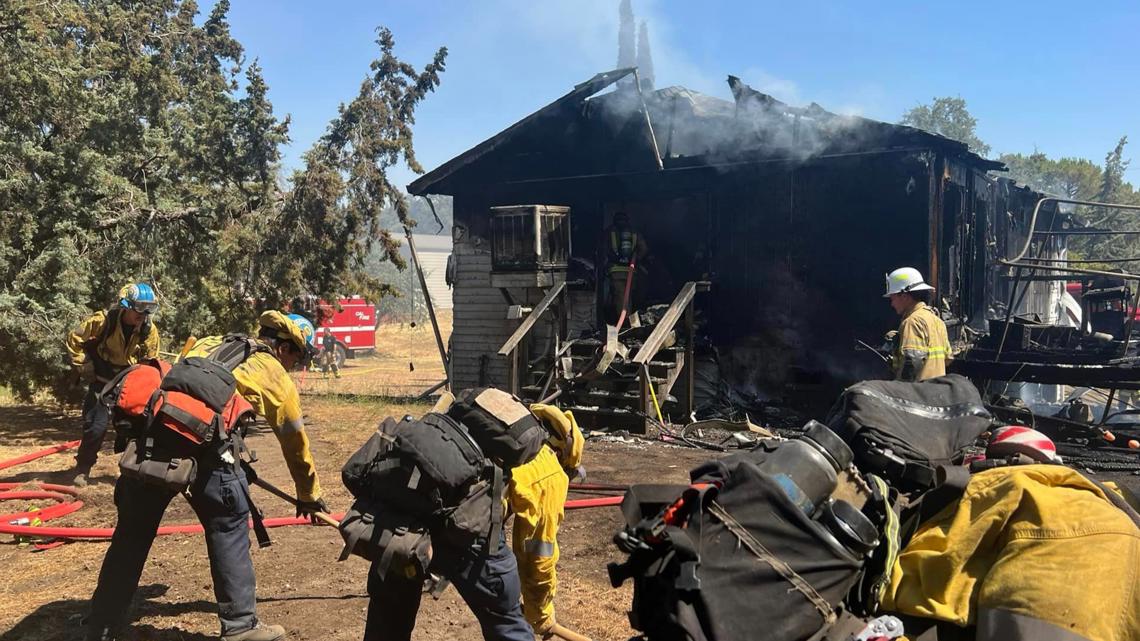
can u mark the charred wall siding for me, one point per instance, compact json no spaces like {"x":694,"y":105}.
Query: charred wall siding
{"x":800,"y":256}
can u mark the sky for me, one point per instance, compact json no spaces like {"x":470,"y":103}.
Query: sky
{"x":1058,"y":77}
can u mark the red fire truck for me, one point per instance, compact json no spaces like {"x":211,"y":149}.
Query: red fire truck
{"x":354,"y":326}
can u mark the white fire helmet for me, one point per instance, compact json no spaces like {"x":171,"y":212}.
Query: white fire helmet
{"x":905,"y":279}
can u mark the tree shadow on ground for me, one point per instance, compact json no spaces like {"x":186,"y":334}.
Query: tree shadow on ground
{"x":63,"y":620}
{"x":34,"y":422}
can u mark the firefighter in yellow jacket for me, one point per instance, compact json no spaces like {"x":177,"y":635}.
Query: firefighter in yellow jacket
{"x":106,"y":343}
{"x":219,"y":494}
{"x":921,"y":345}
{"x":537,"y":494}
{"x":1029,"y":553}
{"x":263,"y":381}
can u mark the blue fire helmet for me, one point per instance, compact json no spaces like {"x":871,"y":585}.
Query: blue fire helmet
{"x":139,"y":297}
{"x":308,"y":332}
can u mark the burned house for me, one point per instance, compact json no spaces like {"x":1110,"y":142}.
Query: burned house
{"x":788,"y":217}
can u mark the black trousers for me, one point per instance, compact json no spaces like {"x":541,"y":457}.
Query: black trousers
{"x":95,"y":421}
{"x":488,"y":583}
{"x":219,"y":497}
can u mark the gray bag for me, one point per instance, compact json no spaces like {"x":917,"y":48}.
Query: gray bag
{"x":396,"y":541}
{"x":175,"y":474}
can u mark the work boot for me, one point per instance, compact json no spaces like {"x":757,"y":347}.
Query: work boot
{"x":261,"y":632}
{"x":80,"y":479}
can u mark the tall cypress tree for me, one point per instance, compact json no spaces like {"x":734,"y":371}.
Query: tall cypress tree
{"x":644,"y":58}
{"x":627,"y":33}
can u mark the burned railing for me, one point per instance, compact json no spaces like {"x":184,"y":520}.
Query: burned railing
{"x":682,"y":304}
{"x":511,"y":350}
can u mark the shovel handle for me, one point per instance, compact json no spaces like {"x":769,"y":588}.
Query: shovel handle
{"x":282,"y":494}
{"x":326,"y":519}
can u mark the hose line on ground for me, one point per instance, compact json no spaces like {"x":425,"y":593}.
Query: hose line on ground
{"x":67,"y":502}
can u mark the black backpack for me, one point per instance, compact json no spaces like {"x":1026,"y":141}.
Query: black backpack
{"x":195,"y":406}
{"x":502,"y":425}
{"x":419,"y":467}
{"x":904,"y":431}
{"x":733,"y":558}
{"x":194,"y":410}
{"x":431,"y":474}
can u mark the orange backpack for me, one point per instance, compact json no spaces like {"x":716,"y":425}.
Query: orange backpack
{"x":195,"y":398}
{"x":128,"y":394}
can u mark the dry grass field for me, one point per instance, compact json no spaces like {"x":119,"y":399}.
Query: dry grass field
{"x":405,"y":364}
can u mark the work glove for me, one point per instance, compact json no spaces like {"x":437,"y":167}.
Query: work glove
{"x":309,"y":508}
{"x":890,"y":340}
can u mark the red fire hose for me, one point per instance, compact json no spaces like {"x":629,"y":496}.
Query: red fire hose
{"x":66,"y":502}
{"x":40,"y":454}
{"x":601,"y":501}
{"x":625,"y":297}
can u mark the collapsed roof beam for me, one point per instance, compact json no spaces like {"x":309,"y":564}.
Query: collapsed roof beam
{"x":648,"y":124}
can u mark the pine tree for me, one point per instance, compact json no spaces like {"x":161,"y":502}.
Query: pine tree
{"x":130,"y":151}
{"x":948,"y":116}
{"x":332,"y":218}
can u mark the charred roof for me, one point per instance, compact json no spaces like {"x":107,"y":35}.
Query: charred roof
{"x":586,"y":134}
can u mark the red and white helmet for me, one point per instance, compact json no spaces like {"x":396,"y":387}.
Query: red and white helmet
{"x":1018,"y":439}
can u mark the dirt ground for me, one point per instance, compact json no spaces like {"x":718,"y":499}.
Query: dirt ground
{"x":300,"y":583}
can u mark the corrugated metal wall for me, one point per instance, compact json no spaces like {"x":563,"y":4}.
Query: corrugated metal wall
{"x":433,"y":252}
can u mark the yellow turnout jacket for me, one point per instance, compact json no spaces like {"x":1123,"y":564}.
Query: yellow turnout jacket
{"x":112,"y":346}
{"x":1029,"y":552}
{"x":264,"y":383}
{"x":923,"y":346}
{"x":537,"y":494}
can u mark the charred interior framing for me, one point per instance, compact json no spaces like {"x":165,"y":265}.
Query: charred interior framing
{"x":1022,"y":351}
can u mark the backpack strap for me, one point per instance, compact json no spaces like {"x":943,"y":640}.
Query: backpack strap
{"x":236,"y":349}
{"x":258,"y":518}
{"x":884,"y":510}
{"x":109,"y":322}
{"x":950,"y":484}
{"x":104,"y":370}
{"x":1118,"y":501}
{"x":255,"y":513}
{"x":496,"y":508}
{"x":146,"y":439}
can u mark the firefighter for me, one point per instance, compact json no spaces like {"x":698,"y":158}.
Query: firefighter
{"x":487,"y":577}
{"x":537,"y":494}
{"x":921,"y":347}
{"x":624,"y":248}
{"x":106,"y":343}
{"x":328,"y":354}
{"x":219,"y":493}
